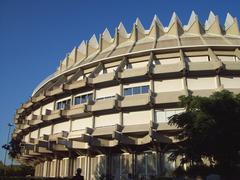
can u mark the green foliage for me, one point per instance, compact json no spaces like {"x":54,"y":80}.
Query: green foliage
{"x":16,"y":170}
{"x":15,"y":148}
{"x":210,"y":129}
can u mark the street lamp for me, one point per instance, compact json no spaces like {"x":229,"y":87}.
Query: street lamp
{"x":7,"y":146}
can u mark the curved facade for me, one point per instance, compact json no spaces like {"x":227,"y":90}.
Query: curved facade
{"x":106,"y":107}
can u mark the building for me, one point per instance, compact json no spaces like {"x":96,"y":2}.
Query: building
{"x":106,"y":107}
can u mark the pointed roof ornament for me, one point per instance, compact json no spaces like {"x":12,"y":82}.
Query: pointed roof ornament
{"x":106,"y":35}
{"x":229,"y":21}
{"x":156,"y":29}
{"x":157,"y":21}
{"x":82,"y":48}
{"x":174,"y":19}
{"x":192,"y":19}
{"x":175,"y":26}
{"x":194,"y":26}
{"x":212,"y":24}
{"x":231,"y":25}
{"x":93,"y":42}
{"x":122,"y":31}
{"x":139,"y":26}
{"x":211,"y":19}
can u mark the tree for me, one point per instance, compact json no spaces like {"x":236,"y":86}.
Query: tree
{"x":14,"y":147}
{"x":210,"y":128}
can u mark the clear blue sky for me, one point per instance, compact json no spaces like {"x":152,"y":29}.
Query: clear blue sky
{"x":36,"y":34}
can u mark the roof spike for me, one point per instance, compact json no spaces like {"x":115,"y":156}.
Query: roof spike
{"x":175,"y":26}
{"x":156,"y":21}
{"x":93,"y":42}
{"x":122,"y":31}
{"x":105,"y":40}
{"x":140,"y":26}
{"x":192,"y":19}
{"x":231,"y":25}
{"x":106,"y":35}
{"x":212,"y":24}
{"x":229,"y":21}
{"x":82,"y":47}
{"x":194,"y":25}
{"x":174,"y":19}
{"x":211,"y":19}
{"x":156,"y":29}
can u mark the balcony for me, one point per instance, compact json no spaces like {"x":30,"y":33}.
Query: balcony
{"x":130,"y":73}
{"x":166,"y":127}
{"x":203,"y":92}
{"x":102,"y":78}
{"x":20,"y":110}
{"x":204,"y":66}
{"x":136,"y":100}
{"x":50,"y":115}
{"x":232,"y":66}
{"x":35,"y":122}
{"x":42,"y":150}
{"x":76,"y":84}
{"x":23,"y":126}
{"x":167,"y":69}
{"x":80,"y":135}
{"x":107,"y":130}
{"x":103,"y":104}
{"x":75,"y":111}
{"x":27,"y":104}
{"x":55,"y":91}
{"x":38,"y":98}
{"x":54,"y":137}
{"x":168,"y":97}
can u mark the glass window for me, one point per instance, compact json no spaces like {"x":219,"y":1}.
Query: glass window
{"x":90,"y":97}
{"x":136,"y":90}
{"x":82,"y":99}
{"x":127,"y":91}
{"x":59,"y":105}
{"x":129,"y":66}
{"x":64,"y":104}
{"x":77,"y":100}
{"x":145,"y":89}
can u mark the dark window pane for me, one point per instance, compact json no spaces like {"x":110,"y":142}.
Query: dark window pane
{"x":59,"y":105}
{"x":77,"y":100}
{"x":136,"y":90}
{"x":84,"y":99}
{"x":145,"y":89}
{"x":127,"y":92}
{"x":90,"y":97}
{"x":129,"y":66}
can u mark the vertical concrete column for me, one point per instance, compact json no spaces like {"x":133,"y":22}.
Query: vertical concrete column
{"x":218,"y":83}
{"x":36,"y":173}
{"x":121,"y":113}
{"x":48,"y":168}
{"x":185,"y":87}
{"x":70,"y":164}
{"x":152,"y":109}
{"x":57,"y":174}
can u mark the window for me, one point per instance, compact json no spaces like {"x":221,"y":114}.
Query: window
{"x":164,"y":114}
{"x":82,"y":99}
{"x":64,"y":104}
{"x":128,"y":66}
{"x":145,"y":89}
{"x":127,"y":91}
{"x":136,"y":90}
{"x":107,"y":97}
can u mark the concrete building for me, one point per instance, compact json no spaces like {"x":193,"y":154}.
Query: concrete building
{"x":106,"y":107}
